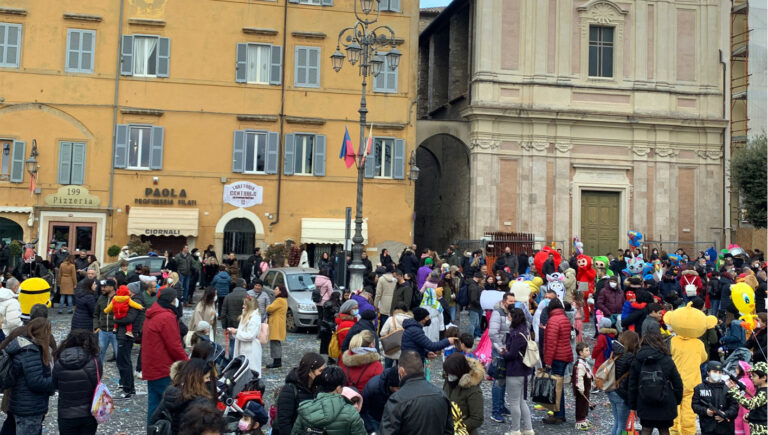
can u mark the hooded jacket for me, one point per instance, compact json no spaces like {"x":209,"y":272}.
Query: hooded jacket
{"x":418,"y":407}
{"x":467,"y":395}
{"x":176,"y":406}
{"x":85,"y":303}
{"x":10,"y":309}
{"x":610,"y":300}
{"x":331,"y":413}
{"x":498,"y":326}
{"x":385,"y":293}
{"x":708,"y":395}
{"x":221,"y":283}
{"x":358,"y":327}
{"x":161,"y":343}
{"x":360,"y":368}
{"x":232,"y":307}
{"x":415,"y":339}
{"x":292,"y":394}
{"x":34,"y":382}
{"x":735,"y":337}
{"x":557,"y":338}
{"x":377,"y":392}
{"x":74,"y":376}
{"x":673,"y":395}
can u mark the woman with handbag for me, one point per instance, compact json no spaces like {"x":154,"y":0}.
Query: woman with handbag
{"x":277,"y":333}
{"x":75,"y":376}
{"x":394,"y":323}
{"x":517,"y":373}
{"x":247,"y":334}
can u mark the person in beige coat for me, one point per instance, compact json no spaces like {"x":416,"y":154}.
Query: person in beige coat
{"x":204,"y":310}
{"x":276,"y":312}
{"x":385,"y":292}
{"x":399,"y":315}
{"x":67,"y":283}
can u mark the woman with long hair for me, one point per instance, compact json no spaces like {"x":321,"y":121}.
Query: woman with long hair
{"x":618,"y":397}
{"x":191,"y":386}
{"x":67,"y":283}
{"x":75,"y":375}
{"x":299,"y":386}
{"x":94,"y":264}
{"x":276,"y":312}
{"x":205,"y":310}
{"x":31,"y":351}
{"x":516,"y":372}
{"x":247,"y":334}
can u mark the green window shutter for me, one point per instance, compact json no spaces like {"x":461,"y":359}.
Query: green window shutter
{"x":276,"y":65}
{"x":241,"y":63}
{"x":270,"y":166}
{"x":121,"y":146}
{"x":238,"y":151}
{"x":318,"y":159}
{"x":65,"y":162}
{"x":78,"y":163}
{"x":156,"y":148}
{"x":398,"y":160}
{"x":126,"y":61}
{"x":17,"y":161}
{"x":163,"y":56}
{"x":288,"y":156}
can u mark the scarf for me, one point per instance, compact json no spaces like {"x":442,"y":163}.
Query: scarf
{"x":430,"y":299}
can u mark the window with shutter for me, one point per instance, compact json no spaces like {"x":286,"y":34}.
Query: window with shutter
{"x":121,"y":146}
{"x":318,"y":160}
{"x":307,"y":71}
{"x":78,"y":163}
{"x":156,"y":148}
{"x":10,"y":45}
{"x":386,"y":81}
{"x":276,"y":65}
{"x":272,"y":150}
{"x":5,"y":164}
{"x":254,"y":151}
{"x":80,"y":50}
{"x":238,"y":151}
{"x":126,"y":55}
{"x":305,"y":154}
{"x":150,"y":56}
{"x":65,"y":162}
{"x":398,"y":161}
{"x":17,"y":161}
{"x":382,"y":156}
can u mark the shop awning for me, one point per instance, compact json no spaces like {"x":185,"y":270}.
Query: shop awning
{"x":325,"y":230}
{"x":158,"y":221}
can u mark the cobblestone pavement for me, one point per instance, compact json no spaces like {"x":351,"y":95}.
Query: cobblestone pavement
{"x":130,"y":414}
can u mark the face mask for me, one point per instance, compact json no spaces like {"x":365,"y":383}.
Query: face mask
{"x":498,"y":278}
{"x":452,"y":378}
{"x":429,"y":322}
{"x":64,"y":250}
{"x":714,"y":377}
{"x":243,"y":425}
{"x":176,"y":303}
{"x":215,"y":298}
{"x":612,"y":284}
{"x":355,"y":312}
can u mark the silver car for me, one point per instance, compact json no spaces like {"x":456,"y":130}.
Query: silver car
{"x":300,"y":281}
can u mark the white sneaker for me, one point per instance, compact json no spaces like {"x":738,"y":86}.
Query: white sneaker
{"x":137,"y":375}
{"x":513,"y":432}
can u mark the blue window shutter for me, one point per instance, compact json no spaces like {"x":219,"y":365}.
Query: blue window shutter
{"x":313,"y":66}
{"x":394,"y":5}
{"x":87,"y":44}
{"x":370,"y":162}
{"x":293,"y":1}
{"x":17,"y":161}
{"x":290,"y":151}
{"x":65,"y":162}
{"x":163,"y":56}
{"x":275,"y":65}
{"x":398,"y":160}
{"x":327,"y":2}
{"x":318,"y":159}
{"x":241,"y":63}
{"x":78,"y":163}
{"x":126,"y":63}
{"x":300,"y":69}
{"x":121,"y":146}
{"x":272,"y":149}
{"x":72,"y":55}
{"x":238,"y":151}
{"x":11,"y":52}
{"x":156,"y":148}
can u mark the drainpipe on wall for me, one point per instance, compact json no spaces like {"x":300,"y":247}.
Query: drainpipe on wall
{"x":282,"y":119}
{"x":114,"y":110}
{"x":726,"y":161}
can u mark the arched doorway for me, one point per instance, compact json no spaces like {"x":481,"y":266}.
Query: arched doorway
{"x":442,"y":192}
{"x":239,"y":237}
{"x":10,"y":231}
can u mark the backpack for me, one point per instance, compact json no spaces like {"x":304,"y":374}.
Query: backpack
{"x":334,"y":347}
{"x":459,"y":428}
{"x":7,"y":379}
{"x":463,"y":297}
{"x":531,"y":356}
{"x":316,"y":296}
{"x":163,"y":424}
{"x":652,"y":384}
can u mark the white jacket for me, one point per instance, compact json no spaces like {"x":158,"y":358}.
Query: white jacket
{"x":247,"y":341}
{"x":392,"y":324}
{"x":10,"y":310}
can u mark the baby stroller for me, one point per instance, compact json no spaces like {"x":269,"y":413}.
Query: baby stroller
{"x":236,"y":388}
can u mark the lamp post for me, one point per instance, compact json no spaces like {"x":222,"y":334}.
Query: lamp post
{"x":363,"y":42}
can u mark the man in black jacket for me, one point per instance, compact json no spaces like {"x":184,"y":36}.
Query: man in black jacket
{"x":125,"y":345}
{"x":367,"y":318}
{"x":375,"y":395}
{"x":475,"y":310}
{"x":715,"y":407}
{"x":5,"y":257}
{"x":252,"y":267}
{"x":418,"y":405}
{"x":507,"y":260}
{"x":403,"y":291}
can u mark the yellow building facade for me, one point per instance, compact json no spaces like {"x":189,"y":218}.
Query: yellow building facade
{"x":207,"y":122}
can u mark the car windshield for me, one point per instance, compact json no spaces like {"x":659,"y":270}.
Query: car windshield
{"x":108,"y":269}
{"x":301,"y":282}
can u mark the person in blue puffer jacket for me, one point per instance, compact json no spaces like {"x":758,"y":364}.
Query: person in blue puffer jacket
{"x":30,"y":349}
{"x":415,"y":339}
{"x":221,"y":282}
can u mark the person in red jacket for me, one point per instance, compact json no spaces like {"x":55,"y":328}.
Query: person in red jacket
{"x":346,"y":318}
{"x":161,"y":346}
{"x":604,"y":346}
{"x":361,"y":361}
{"x":557,"y":350}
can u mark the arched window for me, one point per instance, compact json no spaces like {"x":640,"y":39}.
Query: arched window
{"x":10,"y":231}
{"x":239,"y":237}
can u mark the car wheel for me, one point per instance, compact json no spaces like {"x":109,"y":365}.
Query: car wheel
{"x":290,"y":322}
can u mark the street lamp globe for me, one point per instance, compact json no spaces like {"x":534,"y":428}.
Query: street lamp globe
{"x":353,"y":53}
{"x":376,"y":63}
{"x":366,"y":6}
{"x":337,"y":60}
{"x":393,"y":58}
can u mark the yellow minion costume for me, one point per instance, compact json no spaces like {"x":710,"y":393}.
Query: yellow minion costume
{"x":33,"y":291}
{"x":688,"y":353}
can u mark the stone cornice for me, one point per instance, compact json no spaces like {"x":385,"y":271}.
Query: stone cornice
{"x":13,"y":11}
{"x":259,"y":31}
{"x":257,"y":118}
{"x":82,"y":17}
{"x":141,"y":111}
{"x":146,"y":22}
{"x":309,"y":35}
{"x":303,"y":120}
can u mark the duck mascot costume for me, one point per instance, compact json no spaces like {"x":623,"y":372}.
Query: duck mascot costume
{"x":688,"y":353}
{"x":33,"y":291}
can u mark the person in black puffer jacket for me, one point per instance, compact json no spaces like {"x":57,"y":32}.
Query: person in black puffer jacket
{"x":85,"y":304}
{"x":192,"y":386}
{"x":299,"y":387}
{"x":618,"y":398}
{"x":75,"y":376}
{"x":366,"y":322}
{"x":30,"y":350}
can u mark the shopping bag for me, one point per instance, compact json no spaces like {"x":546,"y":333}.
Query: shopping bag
{"x":544,"y":388}
{"x":484,"y":349}
{"x":102,"y":404}
{"x":555,"y":407}
{"x":264,"y":333}
{"x":629,"y":428}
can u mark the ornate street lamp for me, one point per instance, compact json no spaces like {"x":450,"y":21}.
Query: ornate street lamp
{"x":31,"y":162}
{"x":363,"y":43}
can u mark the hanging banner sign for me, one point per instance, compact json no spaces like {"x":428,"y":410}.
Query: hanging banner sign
{"x":243,"y":194}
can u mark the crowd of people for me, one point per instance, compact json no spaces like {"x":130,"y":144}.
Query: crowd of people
{"x":379,"y":347}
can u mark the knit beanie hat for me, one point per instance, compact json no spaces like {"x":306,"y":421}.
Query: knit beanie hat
{"x":368,"y":315}
{"x":166,"y":297}
{"x":605,"y":322}
{"x":428,"y":261}
{"x":420,"y":314}
{"x":348,"y":306}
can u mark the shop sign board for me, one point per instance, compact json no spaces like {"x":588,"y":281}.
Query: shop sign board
{"x":72,"y":196}
{"x":243,"y":194}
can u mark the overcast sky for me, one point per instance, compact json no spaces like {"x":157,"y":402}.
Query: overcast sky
{"x":432,"y":3}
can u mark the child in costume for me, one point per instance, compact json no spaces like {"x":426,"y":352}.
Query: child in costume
{"x":742,"y":371}
{"x":586,"y":273}
{"x":758,"y":404}
{"x":716,"y":409}
{"x":630,"y":305}
{"x":120,"y":304}
{"x":582,"y":385}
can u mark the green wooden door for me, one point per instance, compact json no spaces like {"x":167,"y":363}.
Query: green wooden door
{"x":599,"y":222}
